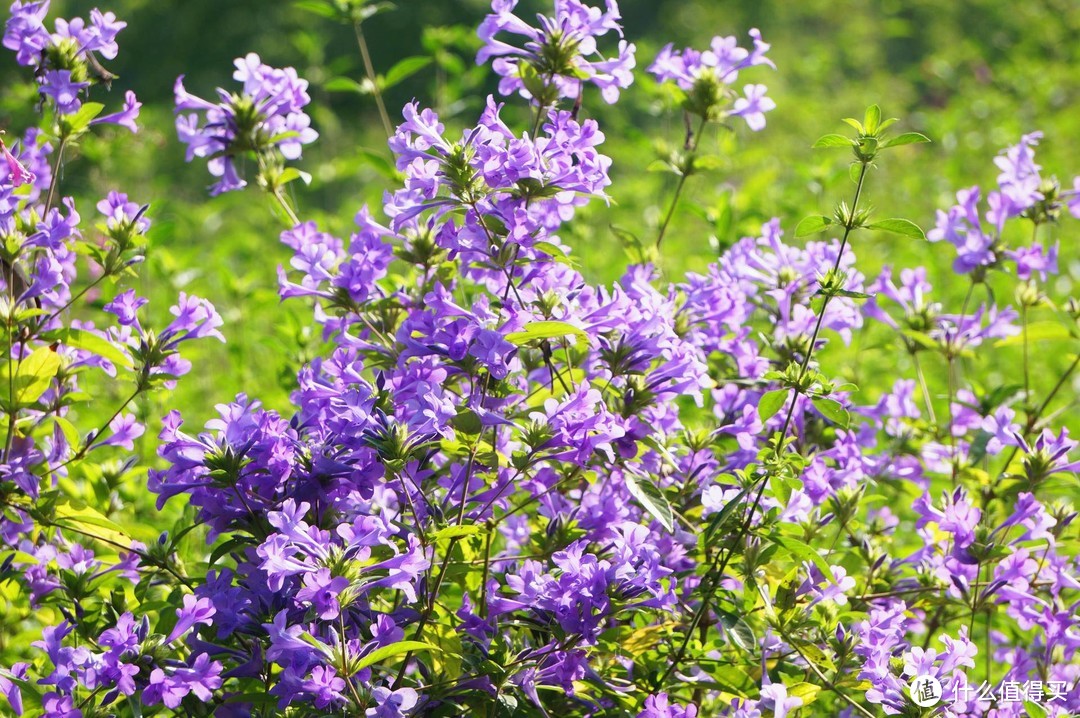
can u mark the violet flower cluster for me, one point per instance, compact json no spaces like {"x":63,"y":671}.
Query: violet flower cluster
{"x":558,"y":56}
{"x":66,"y":61}
{"x":707,"y":78}
{"x":505,"y":490}
{"x":265,"y":120}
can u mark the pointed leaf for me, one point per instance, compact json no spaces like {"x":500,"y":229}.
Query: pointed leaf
{"x":900,"y":226}
{"x":32,"y":377}
{"x":812,"y":225}
{"x":81,"y":517}
{"x":544,"y":330}
{"x":651,"y":498}
{"x":394,"y":649}
{"x":833,"y":140}
{"x":737,"y":630}
{"x":805,"y":552}
{"x":872,"y":120}
{"x":403,"y":70}
{"x":88,"y":341}
{"x":832,"y":410}
{"x":770,"y":403}
{"x":908,"y":138}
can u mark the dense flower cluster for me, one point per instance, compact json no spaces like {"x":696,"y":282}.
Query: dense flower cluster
{"x":502,"y":489}
{"x":1022,"y":192}
{"x":266,"y":119}
{"x":706,"y":78}
{"x":559,"y":55}
{"x":66,"y":60}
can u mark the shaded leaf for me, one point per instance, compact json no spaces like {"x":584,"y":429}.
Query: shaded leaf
{"x":832,"y":410}
{"x":651,"y":498}
{"x":403,"y":70}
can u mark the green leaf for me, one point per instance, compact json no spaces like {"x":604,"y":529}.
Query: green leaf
{"x":833,"y":140}
{"x":899,"y":226}
{"x":394,"y":649}
{"x":872,"y":119}
{"x":319,"y":7}
{"x":71,"y":434}
{"x":804,"y":551}
{"x":88,"y":341}
{"x":717,"y":520}
{"x":1036,"y":332}
{"x":454,"y":532}
{"x":808,"y":692}
{"x":770,"y":403}
{"x":856,"y":124}
{"x":32,"y":377}
{"x":651,"y":498}
{"x":812,"y":225}
{"x":738,"y":631}
{"x":77,"y":122}
{"x":403,"y":70}
{"x":546,"y":329}
{"x":291,"y":174}
{"x":80,"y":516}
{"x":378,"y":162}
{"x":832,"y":410}
{"x":921,"y":338}
{"x":344,"y":84}
{"x":908,"y":138}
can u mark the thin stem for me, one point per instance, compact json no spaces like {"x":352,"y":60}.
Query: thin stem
{"x":749,"y":516}
{"x":279,"y":197}
{"x":369,"y":70}
{"x":924,"y":388}
{"x":1027,"y":375}
{"x":54,"y":181}
{"x":829,"y":684}
{"x":692,"y":145}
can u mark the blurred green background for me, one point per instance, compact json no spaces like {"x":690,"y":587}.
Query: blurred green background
{"x":972,"y":76}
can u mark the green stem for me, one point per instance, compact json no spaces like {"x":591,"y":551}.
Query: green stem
{"x":692,"y":145}
{"x":369,"y":70}
{"x":680,"y":653}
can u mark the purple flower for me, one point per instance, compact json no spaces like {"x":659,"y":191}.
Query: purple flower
{"x":58,"y":85}
{"x":775,"y":697}
{"x":19,"y":175}
{"x":325,"y":685}
{"x":560,"y":54}
{"x":58,"y":706}
{"x":392,"y":704}
{"x":321,"y":590}
{"x":707,"y":78}
{"x":125,"y":118}
{"x":658,"y":706}
{"x":753,"y":106}
{"x":1034,"y":259}
{"x":267,"y":116}
{"x":124,"y":429}
{"x":194,"y":612}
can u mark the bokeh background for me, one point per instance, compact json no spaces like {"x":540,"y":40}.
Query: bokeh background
{"x":972,"y":75}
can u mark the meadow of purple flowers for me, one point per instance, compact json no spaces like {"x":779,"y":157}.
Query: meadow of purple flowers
{"x":504,"y":490}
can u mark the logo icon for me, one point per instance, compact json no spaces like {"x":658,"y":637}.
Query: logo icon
{"x":925,"y":691}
